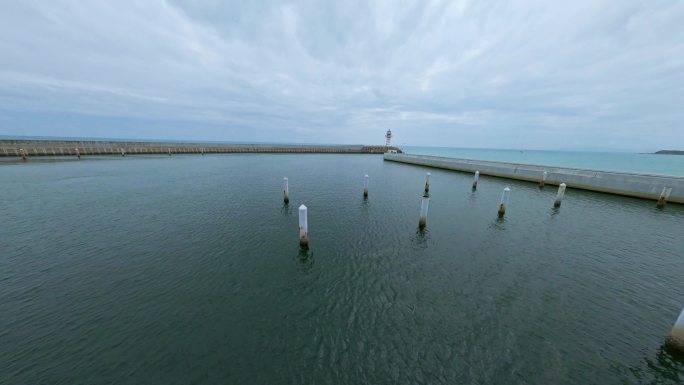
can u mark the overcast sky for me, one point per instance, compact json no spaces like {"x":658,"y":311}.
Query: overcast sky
{"x":528,"y":74}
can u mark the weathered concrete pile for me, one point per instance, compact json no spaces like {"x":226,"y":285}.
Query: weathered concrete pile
{"x":635,"y":185}
{"x":14,"y":148}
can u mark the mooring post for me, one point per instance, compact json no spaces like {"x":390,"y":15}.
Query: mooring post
{"x":365,"y":186}
{"x":424,"y":206}
{"x":202,"y":151}
{"x":427,"y":183}
{"x":676,"y":337}
{"x":504,"y":201}
{"x":23,"y":155}
{"x":664,"y":196}
{"x":542,"y":181}
{"x":477,"y":176}
{"x":169,"y":152}
{"x":286,"y":191}
{"x":560,"y":195}
{"x":303,"y":227}
{"x":123,"y":152}
{"x":78,"y":154}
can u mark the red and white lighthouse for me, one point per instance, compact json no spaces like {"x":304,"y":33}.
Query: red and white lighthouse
{"x":388,"y":138}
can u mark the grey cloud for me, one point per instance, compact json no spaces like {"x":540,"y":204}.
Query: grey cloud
{"x":526,"y":74}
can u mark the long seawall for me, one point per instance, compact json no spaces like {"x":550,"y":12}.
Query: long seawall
{"x":14,"y":148}
{"x":633,"y":185}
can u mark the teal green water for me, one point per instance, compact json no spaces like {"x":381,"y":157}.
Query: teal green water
{"x":601,"y":161}
{"x":187,"y":270}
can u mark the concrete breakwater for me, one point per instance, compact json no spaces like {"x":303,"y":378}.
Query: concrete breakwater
{"x":14,"y":148}
{"x":634,"y":185}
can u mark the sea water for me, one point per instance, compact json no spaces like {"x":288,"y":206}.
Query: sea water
{"x":187,"y":269}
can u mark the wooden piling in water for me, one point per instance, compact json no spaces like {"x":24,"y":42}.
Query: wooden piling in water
{"x":427,"y":183}
{"x":504,"y":201}
{"x":559,"y":195}
{"x":303,"y":227}
{"x":424,"y":206}
{"x":664,"y":195}
{"x":676,"y":337}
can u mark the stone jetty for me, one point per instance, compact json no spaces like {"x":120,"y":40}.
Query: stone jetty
{"x":14,"y":148}
{"x":620,"y":183}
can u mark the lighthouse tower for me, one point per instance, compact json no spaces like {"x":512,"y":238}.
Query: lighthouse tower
{"x":388,"y":137}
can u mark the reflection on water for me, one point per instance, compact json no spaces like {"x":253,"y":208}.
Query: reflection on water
{"x":305,"y":260}
{"x":499,"y":223}
{"x":666,"y":367}
{"x":473,"y":196}
{"x":420,"y":238}
{"x":286,"y":209}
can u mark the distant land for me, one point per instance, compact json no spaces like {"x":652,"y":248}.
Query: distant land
{"x":669,"y":152}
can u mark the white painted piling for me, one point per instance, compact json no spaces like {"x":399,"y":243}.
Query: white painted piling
{"x":365,"y":186}
{"x":286,"y":191}
{"x":23,"y":154}
{"x":424,"y":206}
{"x":676,"y":337}
{"x":123,"y":152}
{"x":560,"y":195}
{"x":303,"y":227}
{"x":504,"y":201}
{"x":169,"y":152}
{"x":475,"y":179}
{"x":664,"y":196}
{"x":202,"y":151}
{"x":78,"y":154}
{"x":542,"y":181}
{"x":427,"y":183}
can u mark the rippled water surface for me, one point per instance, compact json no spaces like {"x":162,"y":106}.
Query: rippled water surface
{"x":187,"y":269}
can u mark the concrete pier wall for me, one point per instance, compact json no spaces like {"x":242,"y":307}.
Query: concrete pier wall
{"x":12,"y":148}
{"x":634,"y":185}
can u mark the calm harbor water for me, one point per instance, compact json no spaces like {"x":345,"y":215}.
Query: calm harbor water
{"x":186,"y":269}
{"x":603,"y":161}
